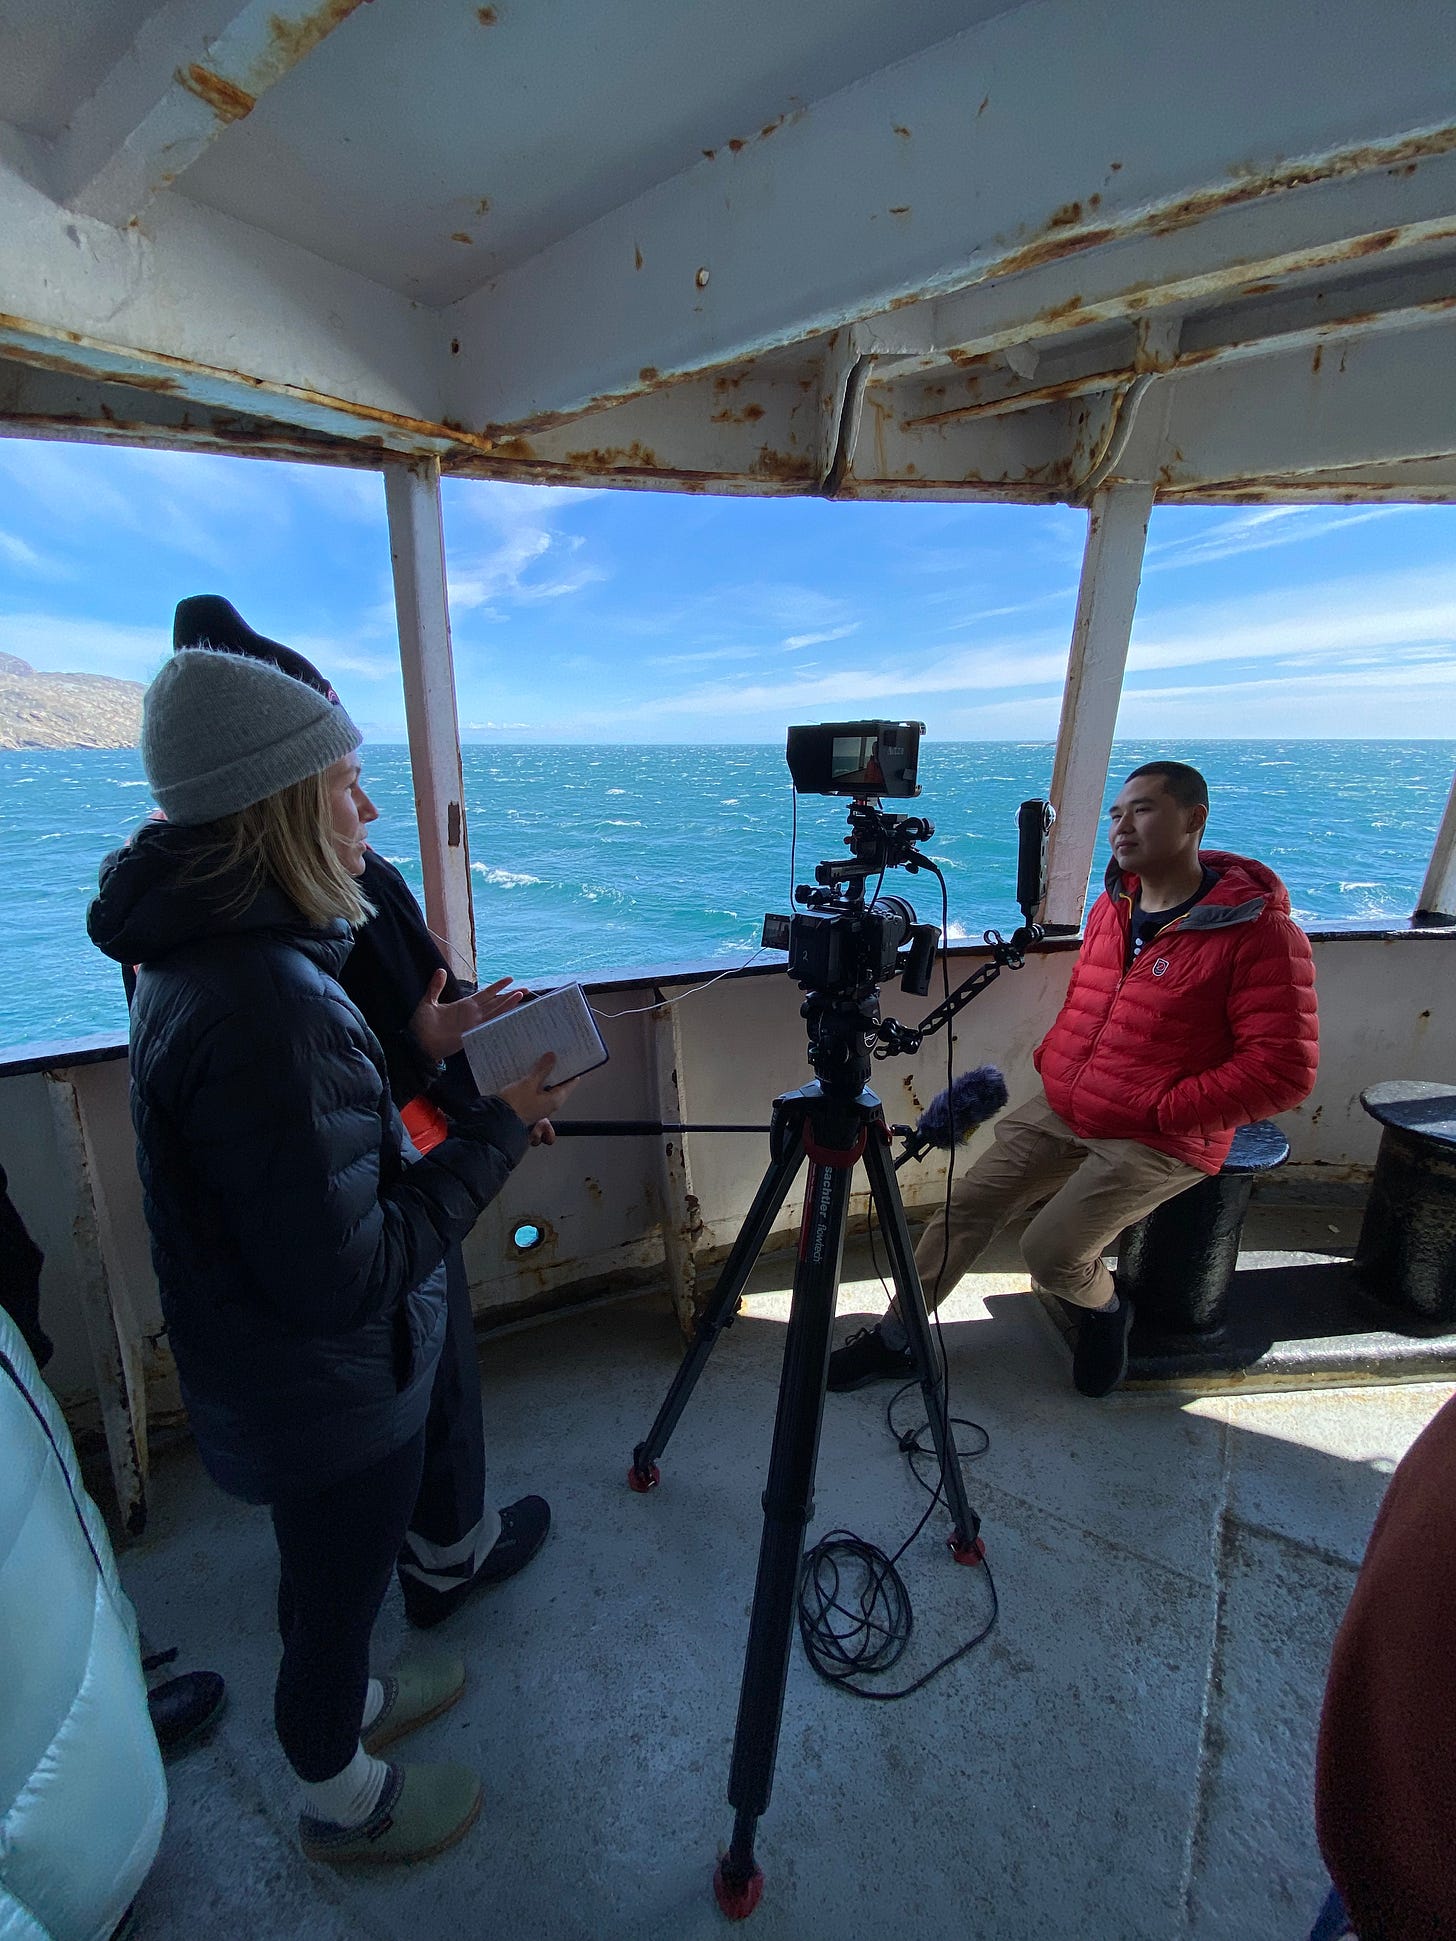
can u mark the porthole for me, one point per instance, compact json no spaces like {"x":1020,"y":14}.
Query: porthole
{"x":527,"y":1237}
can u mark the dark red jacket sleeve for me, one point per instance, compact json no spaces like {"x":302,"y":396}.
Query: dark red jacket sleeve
{"x":1385,"y":1774}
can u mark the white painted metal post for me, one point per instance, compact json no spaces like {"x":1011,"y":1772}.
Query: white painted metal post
{"x":422,"y":603}
{"x":1112,"y":566}
{"x":1438,"y":893}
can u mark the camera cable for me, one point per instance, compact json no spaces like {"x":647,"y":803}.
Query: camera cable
{"x":854,"y":1611}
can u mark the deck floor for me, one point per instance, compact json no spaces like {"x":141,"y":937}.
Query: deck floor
{"x":1128,"y":1756}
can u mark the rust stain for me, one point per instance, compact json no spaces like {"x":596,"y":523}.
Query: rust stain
{"x":594,"y":1187}
{"x":459,"y":236}
{"x":487,"y":16}
{"x":454,"y":346}
{"x":226,"y":99}
{"x":903,"y":133}
{"x":1051,"y":250}
{"x":781,"y":465}
{"x":770,"y":128}
{"x":1318,"y":358}
{"x":1113,"y":167}
{"x":1064,"y":217}
{"x":482,"y":205}
{"x":749,"y":415}
{"x":637,"y":255}
{"x":901,"y":209}
{"x":453,"y":825}
{"x":291,"y":40}
{"x":1372,"y":245}
{"x":985,"y":104}
{"x":1262,"y":287}
{"x":710,"y":154}
{"x":737,"y":145}
{"x":648,"y":374}
{"x":520,"y":448}
{"x":727,"y":383}
{"x":608,"y":458}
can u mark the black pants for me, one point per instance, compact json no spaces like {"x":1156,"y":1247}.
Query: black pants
{"x":445,"y":1539}
{"x":336,"y":1549}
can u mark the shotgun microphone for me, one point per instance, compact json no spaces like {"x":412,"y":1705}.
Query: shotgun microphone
{"x":954,"y":1115}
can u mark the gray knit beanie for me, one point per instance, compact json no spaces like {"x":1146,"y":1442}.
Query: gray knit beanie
{"x":220,"y":732}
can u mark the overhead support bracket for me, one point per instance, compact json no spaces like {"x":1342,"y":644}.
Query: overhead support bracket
{"x":194,"y":67}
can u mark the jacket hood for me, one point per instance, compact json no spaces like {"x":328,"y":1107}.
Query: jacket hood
{"x":1244,"y":889}
{"x":151,"y":902}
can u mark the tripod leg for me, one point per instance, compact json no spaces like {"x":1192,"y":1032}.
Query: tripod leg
{"x":788,"y":1502}
{"x":965,"y":1544}
{"x":771,"y":1194}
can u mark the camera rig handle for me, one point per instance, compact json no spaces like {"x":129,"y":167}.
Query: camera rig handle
{"x":1005,"y":955}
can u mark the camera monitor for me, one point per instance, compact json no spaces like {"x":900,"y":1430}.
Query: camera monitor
{"x":856,"y":757}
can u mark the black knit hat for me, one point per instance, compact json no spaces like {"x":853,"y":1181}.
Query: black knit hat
{"x":207,"y":620}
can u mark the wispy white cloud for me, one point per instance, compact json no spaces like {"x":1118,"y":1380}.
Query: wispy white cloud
{"x":796,"y":641}
{"x":708,"y":654}
{"x":508,"y":548}
{"x":1256,"y":532}
{"x":18,"y":552}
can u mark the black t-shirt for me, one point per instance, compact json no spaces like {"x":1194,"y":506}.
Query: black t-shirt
{"x":1146,"y":924}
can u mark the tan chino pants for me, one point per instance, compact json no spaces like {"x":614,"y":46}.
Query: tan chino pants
{"x":1097,"y":1187}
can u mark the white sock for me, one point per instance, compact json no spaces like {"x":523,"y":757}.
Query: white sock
{"x":373,"y":1704}
{"x":350,"y":1796}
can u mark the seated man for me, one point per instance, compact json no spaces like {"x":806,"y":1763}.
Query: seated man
{"x":1191,"y":1012}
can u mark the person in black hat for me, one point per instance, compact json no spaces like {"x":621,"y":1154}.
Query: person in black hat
{"x":457,"y":1543}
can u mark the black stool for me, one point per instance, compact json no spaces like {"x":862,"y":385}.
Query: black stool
{"x":1177,"y":1263}
{"x":1406,"y":1254}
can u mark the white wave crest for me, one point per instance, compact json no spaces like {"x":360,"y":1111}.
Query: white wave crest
{"x":505,"y":879}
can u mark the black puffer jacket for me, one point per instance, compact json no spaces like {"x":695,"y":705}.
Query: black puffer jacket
{"x":299,"y":1257}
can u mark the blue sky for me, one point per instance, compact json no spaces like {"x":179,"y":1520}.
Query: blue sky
{"x":632,"y":616}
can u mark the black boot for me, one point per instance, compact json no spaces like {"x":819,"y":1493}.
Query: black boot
{"x":1099,"y":1360}
{"x":184,"y":1707}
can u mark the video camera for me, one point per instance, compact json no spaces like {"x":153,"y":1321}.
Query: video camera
{"x":843,"y":946}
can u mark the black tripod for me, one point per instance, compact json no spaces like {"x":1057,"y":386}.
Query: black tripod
{"x":832,"y":1122}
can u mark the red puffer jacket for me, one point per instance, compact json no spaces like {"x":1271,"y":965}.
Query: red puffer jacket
{"x":1213,"y":1027}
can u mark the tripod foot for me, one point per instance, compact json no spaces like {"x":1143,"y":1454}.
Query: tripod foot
{"x":643,"y":1480}
{"x":737,"y":1897}
{"x":973,"y":1552}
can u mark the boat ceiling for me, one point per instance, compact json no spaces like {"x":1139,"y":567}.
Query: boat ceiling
{"x":940,"y":248}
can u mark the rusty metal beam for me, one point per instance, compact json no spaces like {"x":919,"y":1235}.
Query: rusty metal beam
{"x":195,"y":67}
{"x":1163,"y":122}
{"x":1299,"y":322}
{"x":197,"y":307}
{"x":1376,"y":401}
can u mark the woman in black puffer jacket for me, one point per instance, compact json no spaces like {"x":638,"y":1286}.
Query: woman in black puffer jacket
{"x":300,"y":1257}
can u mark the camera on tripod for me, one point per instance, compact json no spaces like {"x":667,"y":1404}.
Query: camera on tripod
{"x":842,"y":946}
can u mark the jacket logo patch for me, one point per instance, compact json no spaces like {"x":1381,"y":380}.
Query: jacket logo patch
{"x":1160,"y":967}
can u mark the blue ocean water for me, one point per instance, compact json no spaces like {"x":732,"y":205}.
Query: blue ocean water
{"x":596,"y":859}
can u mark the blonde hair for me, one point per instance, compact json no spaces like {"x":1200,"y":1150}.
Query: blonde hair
{"x":286,"y":839}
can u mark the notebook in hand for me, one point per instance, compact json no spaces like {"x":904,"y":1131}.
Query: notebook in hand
{"x":507,"y":1047}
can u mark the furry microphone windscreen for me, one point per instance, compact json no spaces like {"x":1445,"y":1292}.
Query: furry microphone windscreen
{"x":974,"y":1097}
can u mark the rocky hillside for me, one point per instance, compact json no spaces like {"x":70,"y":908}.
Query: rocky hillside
{"x":66,"y":710}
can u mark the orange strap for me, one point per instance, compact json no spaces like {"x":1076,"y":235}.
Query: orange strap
{"x":425,"y":1123}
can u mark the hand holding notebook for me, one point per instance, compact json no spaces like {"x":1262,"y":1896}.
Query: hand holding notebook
{"x":505,"y":1048}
